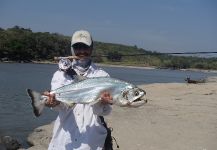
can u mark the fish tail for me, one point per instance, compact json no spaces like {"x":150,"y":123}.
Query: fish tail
{"x":37,"y":102}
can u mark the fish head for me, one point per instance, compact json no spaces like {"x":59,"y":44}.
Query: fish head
{"x":132,"y":97}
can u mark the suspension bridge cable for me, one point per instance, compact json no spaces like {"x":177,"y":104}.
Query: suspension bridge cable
{"x":156,"y":53}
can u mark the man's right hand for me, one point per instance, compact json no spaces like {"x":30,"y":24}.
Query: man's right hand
{"x":51,"y":101}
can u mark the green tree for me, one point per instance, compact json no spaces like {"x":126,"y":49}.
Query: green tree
{"x":114,"y":56}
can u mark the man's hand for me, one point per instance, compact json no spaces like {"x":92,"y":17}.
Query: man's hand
{"x":106,"y":98}
{"x":51,"y":101}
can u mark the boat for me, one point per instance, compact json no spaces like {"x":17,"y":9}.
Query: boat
{"x":189,"y":80}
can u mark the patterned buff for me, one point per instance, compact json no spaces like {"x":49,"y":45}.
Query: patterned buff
{"x":82,"y":65}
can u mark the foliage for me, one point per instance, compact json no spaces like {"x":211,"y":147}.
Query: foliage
{"x":114,"y":56}
{"x":20,"y":44}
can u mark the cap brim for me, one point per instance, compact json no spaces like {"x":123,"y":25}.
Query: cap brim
{"x":80,"y":41}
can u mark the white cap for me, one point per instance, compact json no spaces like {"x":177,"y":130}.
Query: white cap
{"x":82,"y":36}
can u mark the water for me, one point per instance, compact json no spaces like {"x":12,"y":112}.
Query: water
{"x":147,"y":76}
{"x":16,"y":116}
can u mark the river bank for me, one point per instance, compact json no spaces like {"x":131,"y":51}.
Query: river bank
{"x":122,"y":66}
{"x":177,"y":116}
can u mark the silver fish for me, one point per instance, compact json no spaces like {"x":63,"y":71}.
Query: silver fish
{"x":88,"y":91}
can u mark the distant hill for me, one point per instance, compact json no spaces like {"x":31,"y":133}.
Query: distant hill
{"x":20,"y":44}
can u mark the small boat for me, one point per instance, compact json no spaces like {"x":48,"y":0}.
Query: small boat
{"x":188,"y":80}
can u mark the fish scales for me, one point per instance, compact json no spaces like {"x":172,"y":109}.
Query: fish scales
{"x":89,"y":90}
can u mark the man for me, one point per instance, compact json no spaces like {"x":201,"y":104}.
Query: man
{"x":79,"y":127}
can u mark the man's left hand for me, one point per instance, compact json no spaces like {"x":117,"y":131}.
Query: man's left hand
{"x":106,"y":98}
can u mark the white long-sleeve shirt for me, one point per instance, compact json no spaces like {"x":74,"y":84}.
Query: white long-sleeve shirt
{"x":78,"y":127}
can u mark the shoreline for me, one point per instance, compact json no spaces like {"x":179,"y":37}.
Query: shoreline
{"x":102,"y":65}
{"x":177,"y":116}
{"x":123,"y":66}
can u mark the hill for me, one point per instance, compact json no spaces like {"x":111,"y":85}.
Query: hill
{"x":23,"y":45}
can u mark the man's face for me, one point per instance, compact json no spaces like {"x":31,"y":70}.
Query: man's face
{"x":82,"y":50}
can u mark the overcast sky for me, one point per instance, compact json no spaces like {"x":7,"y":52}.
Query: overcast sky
{"x":156,"y":25}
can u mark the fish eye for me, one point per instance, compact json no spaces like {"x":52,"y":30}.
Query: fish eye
{"x":136,"y":93}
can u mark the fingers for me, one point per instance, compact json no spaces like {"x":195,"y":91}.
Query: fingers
{"x":106,"y":94}
{"x":46,"y":93}
{"x":51,"y":101}
{"x":106,"y":98}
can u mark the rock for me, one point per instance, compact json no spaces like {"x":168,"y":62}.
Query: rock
{"x":9,"y":143}
{"x":40,"y":138}
{"x":38,"y":147}
{"x":2,"y":147}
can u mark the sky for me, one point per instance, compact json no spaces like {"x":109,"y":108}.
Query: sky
{"x":155,"y":25}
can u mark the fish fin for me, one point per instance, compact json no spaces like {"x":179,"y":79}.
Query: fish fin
{"x":37,"y":103}
{"x":78,"y":78}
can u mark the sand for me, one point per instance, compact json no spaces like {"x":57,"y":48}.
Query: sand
{"x":178,"y":116}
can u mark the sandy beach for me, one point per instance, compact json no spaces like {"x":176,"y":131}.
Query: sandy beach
{"x":178,"y":116}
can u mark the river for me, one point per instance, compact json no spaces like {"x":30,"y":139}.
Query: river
{"x":16,"y":114}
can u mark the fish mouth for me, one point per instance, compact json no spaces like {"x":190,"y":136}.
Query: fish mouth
{"x":140,"y":98}
{"x":138,"y":102}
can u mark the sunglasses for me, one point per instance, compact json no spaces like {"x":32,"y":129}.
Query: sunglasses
{"x":80,"y":46}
